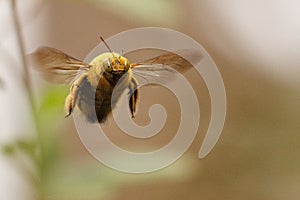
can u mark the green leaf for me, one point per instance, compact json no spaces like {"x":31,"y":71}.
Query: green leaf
{"x":27,"y":146}
{"x":53,"y":99}
{"x":9,"y":149}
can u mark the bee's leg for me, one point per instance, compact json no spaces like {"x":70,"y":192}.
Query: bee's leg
{"x":69,"y":105}
{"x":133,"y":91}
{"x":72,"y":97}
{"x":71,"y":100}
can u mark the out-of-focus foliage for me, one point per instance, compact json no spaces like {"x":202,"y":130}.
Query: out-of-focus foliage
{"x":1,"y":83}
{"x":164,"y":12}
{"x":28,"y":147}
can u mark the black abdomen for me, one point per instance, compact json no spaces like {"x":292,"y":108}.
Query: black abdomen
{"x":95,"y":104}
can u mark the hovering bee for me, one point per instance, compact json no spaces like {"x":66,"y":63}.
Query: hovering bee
{"x":92,"y":84}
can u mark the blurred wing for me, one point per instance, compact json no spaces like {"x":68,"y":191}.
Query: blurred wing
{"x":163,"y":68}
{"x":56,"y":66}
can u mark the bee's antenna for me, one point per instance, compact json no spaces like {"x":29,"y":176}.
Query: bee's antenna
{"x":106,"y":44}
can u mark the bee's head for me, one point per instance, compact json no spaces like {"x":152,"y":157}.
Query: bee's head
{"x":116,"y":64}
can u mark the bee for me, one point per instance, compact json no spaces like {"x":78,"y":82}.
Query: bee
{"x":92,"y":84}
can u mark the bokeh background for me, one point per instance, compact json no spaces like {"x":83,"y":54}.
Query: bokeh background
{"x":255,"y":45}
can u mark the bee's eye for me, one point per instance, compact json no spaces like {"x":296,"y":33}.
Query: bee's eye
{"x":127,"y":65}
{"x":107,"y":65}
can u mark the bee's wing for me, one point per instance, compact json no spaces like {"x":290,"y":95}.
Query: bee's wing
{"x":56,"y":66}
{"x":163,"y":67}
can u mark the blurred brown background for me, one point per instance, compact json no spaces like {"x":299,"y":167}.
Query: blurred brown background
{"x":256,"y":47}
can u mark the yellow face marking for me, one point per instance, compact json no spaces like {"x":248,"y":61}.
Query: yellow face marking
{"x":117,"y":63}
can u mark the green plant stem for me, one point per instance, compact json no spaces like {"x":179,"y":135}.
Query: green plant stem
{"x":1,"y":83}
{"x":27,"y":85}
